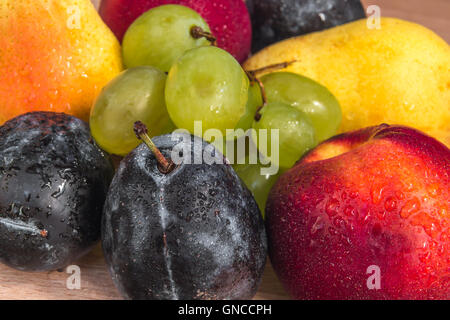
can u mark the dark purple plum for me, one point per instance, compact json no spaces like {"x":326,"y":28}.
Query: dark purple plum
{"x":276,"y":20}
{"x":53,"y":183}
{"x":193,"y":233}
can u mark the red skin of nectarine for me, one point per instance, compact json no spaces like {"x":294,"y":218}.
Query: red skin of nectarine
{"x":229,"y":20}
{"x":374,"y":197}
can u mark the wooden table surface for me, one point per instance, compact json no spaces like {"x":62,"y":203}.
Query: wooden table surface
{"x":95,"y":280}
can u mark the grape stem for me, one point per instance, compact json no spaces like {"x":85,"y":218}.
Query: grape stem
{"x":197,"y":33}
{"x":253,"y":77}
{"x":273,"y":67}
{"x":165,"y":166}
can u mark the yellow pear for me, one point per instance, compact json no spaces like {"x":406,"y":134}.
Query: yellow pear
{"x":398,"y":74}
{"x":55,"y":55}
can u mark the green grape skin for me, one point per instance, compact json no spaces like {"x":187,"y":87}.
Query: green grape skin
{"x":296,"y":133}
{"x":308,"y":96}
{"x":161,"y":35}
{"x":206,"y":84}
{"x":258,"y":184}
{"x":236,"y":149}
{"x":253,"y":103}
{"x":135,"y":94}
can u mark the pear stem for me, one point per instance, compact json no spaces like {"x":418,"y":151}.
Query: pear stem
{"x":164,"y":165}
{"x":197,"y":33}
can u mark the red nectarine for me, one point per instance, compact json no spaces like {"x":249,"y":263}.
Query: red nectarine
{"x":365,"y":204}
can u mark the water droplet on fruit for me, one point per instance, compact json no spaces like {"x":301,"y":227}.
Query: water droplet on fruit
{"x":381,"y":215}
{"x":318,"y":225}
{"x":429,"y":224}
{"x":433,"y":190}
{"x":350,"y":211}
{"x":442,"y":212}
{"x":332,"y":231}
{"x":312,"y":244}
{"x":339,"y":222}
{"x":400,"y":195}
{"x":60,"y":191}
{"x":390,"y":204}
{"x":332,"y":207}
{"x":27,"y":196}
{"x":354,"y":194}
{"x":410,"y":207}
{"x":441,"y":250}
{"x":376,"y":194}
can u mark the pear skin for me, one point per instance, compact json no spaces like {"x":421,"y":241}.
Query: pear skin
{"x":398,"y":74}
{"x":54,"y":56}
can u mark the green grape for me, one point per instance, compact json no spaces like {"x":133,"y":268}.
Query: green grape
{"x":254,"y":101}
{"x":257,"y":183}
{"x":136,"y":94}
{"x":161,"y":35}
{"x":308,"y":96}
{"x":207,"y":84}
{"x":296,"y":133}
{"x":238,"y":149}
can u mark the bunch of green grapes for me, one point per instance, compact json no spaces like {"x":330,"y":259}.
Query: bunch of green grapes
{"x":204,"y":83}
{"x":177,"y":76}
{"x":297,"y":114}
{"x":303,"y":111}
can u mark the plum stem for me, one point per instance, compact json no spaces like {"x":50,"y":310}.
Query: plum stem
{"x":165,"y":166}
{"x":197,"y":33}
{"x":253,"y":77}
